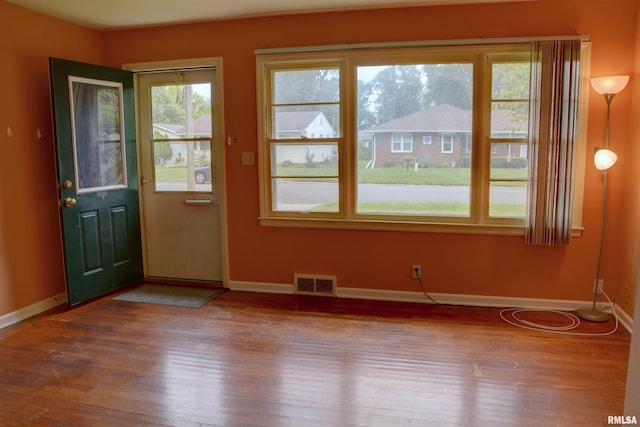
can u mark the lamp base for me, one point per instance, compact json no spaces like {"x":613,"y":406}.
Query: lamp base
{"x":592,"y":315}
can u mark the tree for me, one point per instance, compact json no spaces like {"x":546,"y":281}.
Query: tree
{"x":449,"y":84}
{"x":510,"y":90}
{"x":366,"y":116}
{"x":400,"y":90}
{"x":396,"y":92}
{"x":169,"y":104}
{"x":162,"y":151}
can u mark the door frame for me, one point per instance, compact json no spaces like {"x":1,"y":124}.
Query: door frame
{"x":218,"y":137}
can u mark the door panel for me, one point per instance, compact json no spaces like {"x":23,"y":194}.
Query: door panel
{"x":94,"y":124}
{"x":179,"y":119}
{"x":91,"y":243}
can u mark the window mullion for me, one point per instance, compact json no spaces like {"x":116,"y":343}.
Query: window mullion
{"x":349,"y":148}
{"x":481,"y":125}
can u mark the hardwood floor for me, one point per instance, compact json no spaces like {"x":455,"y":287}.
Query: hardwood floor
{"x":279,"y":360}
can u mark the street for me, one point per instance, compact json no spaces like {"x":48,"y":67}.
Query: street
{"x":306,"y":195}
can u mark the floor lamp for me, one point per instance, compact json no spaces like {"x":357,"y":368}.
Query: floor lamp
{"x":603,"y":159}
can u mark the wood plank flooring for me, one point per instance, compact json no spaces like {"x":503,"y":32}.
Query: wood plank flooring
{"x":249,"y":359}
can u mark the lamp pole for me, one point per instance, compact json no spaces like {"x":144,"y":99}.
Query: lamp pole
{"x":608,"y":87}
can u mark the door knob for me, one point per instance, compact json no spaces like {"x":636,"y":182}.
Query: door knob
{"x":69,"y":201}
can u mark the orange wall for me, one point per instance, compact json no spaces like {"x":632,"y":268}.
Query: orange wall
{"x":631,"y":251}
{"x":30,"y":254}
{"x":466,"y":264}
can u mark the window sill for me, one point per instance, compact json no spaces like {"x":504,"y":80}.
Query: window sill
{"x":454,"y":228}
{"x":450,"y":228}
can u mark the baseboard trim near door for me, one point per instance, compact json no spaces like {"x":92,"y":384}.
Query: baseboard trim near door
{"x":451,"y":299}
{"x":32,"y":310}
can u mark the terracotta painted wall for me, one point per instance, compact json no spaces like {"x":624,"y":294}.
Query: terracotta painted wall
{"x":631,"y":251}
{"x":30,"y":255}
{"x":30,"y":247}
{"x":465,"y":264}
{"x":632,"y":397}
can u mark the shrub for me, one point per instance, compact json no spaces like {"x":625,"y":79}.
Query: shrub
{"x":497,"y":162}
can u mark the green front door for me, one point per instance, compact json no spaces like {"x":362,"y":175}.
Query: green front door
{"x":97,"y":176}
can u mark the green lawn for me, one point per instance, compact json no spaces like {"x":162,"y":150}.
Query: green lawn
{"x":398,"y":174}
{"x":171,"y":173}
{"x":379,"y":175}
{"x":427,"y":208}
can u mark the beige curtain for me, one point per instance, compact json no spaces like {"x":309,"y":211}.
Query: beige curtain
{"x":552,"y":133}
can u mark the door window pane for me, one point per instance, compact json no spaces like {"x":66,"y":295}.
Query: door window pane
{"x":98,"y":134}
{"x":182,"y":130}
{"x":172,"y":160}
{"x":400,"y":104}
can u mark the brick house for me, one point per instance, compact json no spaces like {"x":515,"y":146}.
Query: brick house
{"x":437,"y":136}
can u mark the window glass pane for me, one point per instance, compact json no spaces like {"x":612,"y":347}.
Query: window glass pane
{"x":403,"y":189}
{"x":97,"y":135}
{"x":509,"y":161}
{"x":317,"y":85}
{"x":304,"y":160}
{"x":181,"y":110}
{"x":510,"y":119}
{"x":508,"y":199}
{"x":182,"y":129}
{"x":317,"y":121}
{"x":509,"y":175}
{"x":172,"y":171}
{"x":414,"y":134}
{"x":510,"y":80}
{"x":305,"y":194}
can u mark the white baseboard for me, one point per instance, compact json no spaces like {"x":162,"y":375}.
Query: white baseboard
{"x":32,"y":310}
{"x":266,"y":288}
{"x":453,"y":299}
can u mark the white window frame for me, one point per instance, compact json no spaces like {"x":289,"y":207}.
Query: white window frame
{"x":406,"y":142}
{"x":447,"y":139}
{"x":347,"y":218}
{"x":426,"y":139}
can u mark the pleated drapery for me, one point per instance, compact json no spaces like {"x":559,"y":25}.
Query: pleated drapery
{"x":555,"y":77}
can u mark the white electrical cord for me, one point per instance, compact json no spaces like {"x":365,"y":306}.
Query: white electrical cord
{"x":565,"y":330}
{"x":533,"y":326}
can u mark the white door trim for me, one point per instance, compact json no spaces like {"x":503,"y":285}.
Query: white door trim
{"x":187,"y":64}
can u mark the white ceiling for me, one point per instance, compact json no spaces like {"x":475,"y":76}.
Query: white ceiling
{"x":121,"y":14}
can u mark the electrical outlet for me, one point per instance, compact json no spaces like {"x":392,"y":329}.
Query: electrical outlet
{"x":598,"y":286}
{"x":416,"y":271}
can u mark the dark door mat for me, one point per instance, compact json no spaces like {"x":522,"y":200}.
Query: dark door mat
{"x":179,"y":296}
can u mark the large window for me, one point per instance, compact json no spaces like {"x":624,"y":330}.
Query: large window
{"x":337,"y":132}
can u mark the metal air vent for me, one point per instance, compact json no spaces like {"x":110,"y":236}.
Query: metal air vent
{"x":313,"y":284}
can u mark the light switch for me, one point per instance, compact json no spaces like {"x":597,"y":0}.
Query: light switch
{"x":248,"y":158}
